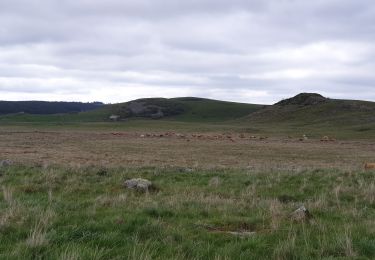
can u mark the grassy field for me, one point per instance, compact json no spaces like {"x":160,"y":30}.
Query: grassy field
{"x":86,"y":213}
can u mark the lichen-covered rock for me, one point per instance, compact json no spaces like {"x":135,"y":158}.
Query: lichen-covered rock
{"x":138,"y":184}
{"x":5,"y":163}
{"x":301,"y":215}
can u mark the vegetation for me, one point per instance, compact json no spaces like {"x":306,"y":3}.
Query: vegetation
{"x":225,"y":184}
{"x":206,"y":110}
{"x":185,"y":109}
{"x":43,"y":107}
{"x":86,"y":213}
{"x":309,"y":114}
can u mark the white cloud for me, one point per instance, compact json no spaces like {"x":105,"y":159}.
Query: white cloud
{"x":249,"y":51}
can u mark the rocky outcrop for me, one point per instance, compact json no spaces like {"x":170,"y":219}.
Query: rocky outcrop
{"x":303,"y":99}
{"x":154,"y":108}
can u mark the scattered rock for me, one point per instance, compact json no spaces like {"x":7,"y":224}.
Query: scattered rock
{"x":327,"y":139}
{"x":214,"y":182}
{"x":114,"y":117}
{"x":5,"y":163}
{"x":301,"y":215}
{"x":139,"y":184}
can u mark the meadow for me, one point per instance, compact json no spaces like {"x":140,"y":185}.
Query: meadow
{"x":220,"y":193}
{"x":86,"y":213}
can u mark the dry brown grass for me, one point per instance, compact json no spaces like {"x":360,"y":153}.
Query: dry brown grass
{"x":128,"y":149}
{"x":275,"y":213}
{"x":38,"y":235}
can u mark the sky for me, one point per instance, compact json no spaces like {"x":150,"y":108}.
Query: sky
{"x":253,"y":51}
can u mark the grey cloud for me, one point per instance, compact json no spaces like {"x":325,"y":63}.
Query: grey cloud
{"x":213,"y":48}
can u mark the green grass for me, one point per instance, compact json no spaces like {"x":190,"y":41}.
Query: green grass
{"x":85,"y":213}
{"x":206,"y":110}
{"x":190,"y":109}
{"x":338,"y":118}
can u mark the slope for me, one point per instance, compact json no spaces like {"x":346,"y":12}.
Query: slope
{"x":313,"y":112}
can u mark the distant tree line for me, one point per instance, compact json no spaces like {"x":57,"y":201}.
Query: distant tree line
{"x":45,"y":107}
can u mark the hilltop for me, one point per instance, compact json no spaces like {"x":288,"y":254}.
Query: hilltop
{"x":303,"y":99}
{"x":312,"y":108}
{"x":313,"y":113}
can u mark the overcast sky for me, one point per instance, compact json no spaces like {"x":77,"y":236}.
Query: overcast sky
{"x":255,"y":51}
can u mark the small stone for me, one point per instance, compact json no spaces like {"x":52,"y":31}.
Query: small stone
{"x":138,"y":184}
{"x":214,"y":182}
{"x":301,"y":215}
{"x":5,"y":163}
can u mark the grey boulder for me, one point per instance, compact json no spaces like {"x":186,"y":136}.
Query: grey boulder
{"x":138,"y":184}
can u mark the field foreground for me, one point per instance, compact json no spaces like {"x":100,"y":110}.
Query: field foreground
{"x":217,"y":196}
{"x":86,"y":213}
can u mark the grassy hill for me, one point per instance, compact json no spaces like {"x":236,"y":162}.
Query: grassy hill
{"x":188,"y":109}
{"x":315,"y":113}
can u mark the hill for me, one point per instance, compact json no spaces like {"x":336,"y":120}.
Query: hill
{"x":308,"y":111}
{"x":181,"y":109}
{"x":185,"y":109}
{"x":313,"y":108}
{"x":44,"y":107}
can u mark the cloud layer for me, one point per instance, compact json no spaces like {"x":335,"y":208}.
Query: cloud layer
{"x":255,"y":51}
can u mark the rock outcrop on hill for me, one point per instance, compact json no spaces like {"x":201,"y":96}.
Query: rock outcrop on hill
{"x":303,"y":99}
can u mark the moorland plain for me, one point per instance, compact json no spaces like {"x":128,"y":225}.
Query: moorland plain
{"x":222,"y":189}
